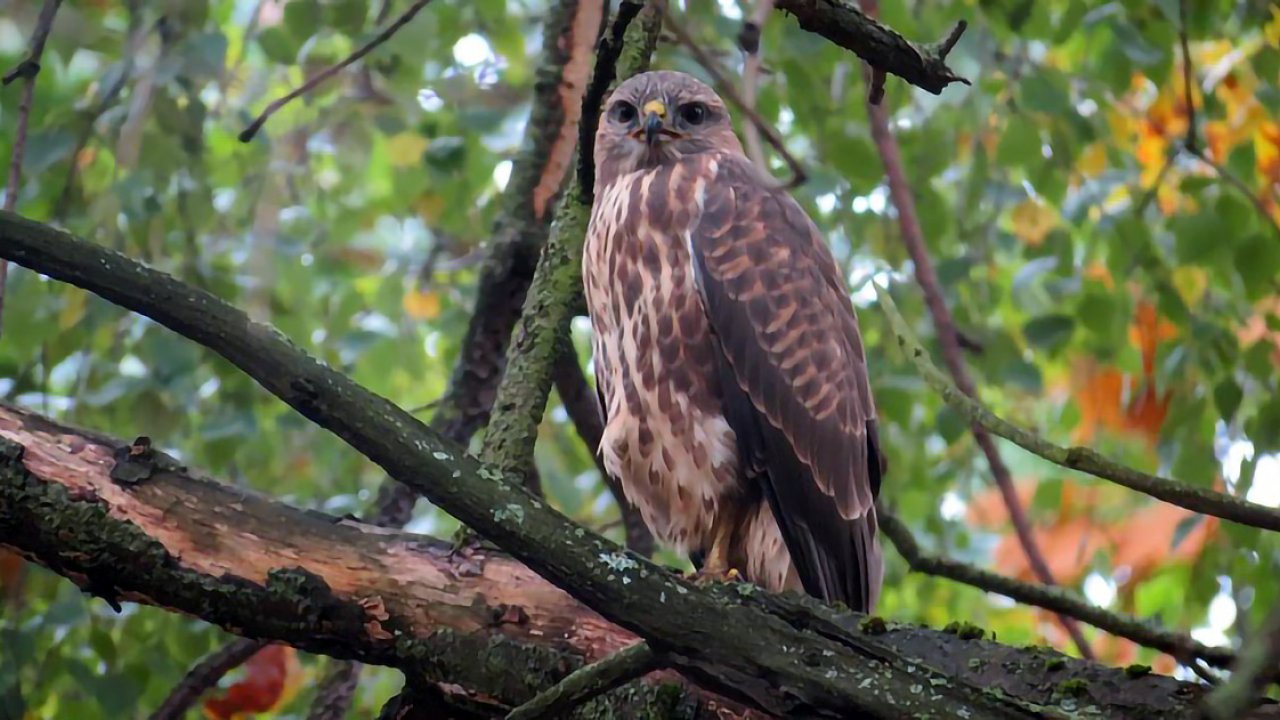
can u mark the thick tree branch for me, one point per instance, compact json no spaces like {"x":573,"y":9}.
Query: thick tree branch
{"x":588,"y":682}
{"x":1196,"y":499}
{"x":272,"y":572}
{"x":341,"y":588}
{"x":843,"y":670}
{"x":1179,"y":645}
{"x":841,"y":22}
{"x":538,"y":173}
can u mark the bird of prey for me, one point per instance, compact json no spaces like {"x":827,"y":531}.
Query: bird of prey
{"x":738,"y":416}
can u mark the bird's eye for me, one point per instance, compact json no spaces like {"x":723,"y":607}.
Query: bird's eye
{"x":694,"y":113}
{"x":623,"y":112}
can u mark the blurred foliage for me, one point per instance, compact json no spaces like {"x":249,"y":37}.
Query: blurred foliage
{"x":1118,"y":290}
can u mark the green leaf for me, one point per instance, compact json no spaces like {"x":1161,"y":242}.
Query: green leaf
{"x":1257,"y":260}
{"x":1020,"y":143}
{"x":347,"y":16}
{"x":1069,"y":21}
{"x":302,"y":18}
{"x":1264,"y":427}
{"x":279,"y":45}
{"x":1046,"y":91}
{"x":1226,"y":397}
{"x":1049,"y":333}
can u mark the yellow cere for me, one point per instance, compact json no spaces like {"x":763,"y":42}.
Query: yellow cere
{"x":656,"y":107}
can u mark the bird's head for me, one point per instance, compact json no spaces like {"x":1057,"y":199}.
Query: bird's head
{"x":658,"y":117}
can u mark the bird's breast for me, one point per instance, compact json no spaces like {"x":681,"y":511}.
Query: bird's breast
{"x":665,"y":439}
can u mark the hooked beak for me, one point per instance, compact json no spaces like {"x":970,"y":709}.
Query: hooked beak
{"x":654,"y":111}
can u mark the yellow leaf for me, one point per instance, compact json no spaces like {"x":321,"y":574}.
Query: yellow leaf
{"x":1272,"y":29}
{"x":1190,"y":282}
{"x":430,"y":207}
{"x":406,"y":148}
{"x":1032,"y":221}
{"x":1093,"y":160}
{"x":1266,"y":149}
{"x":422,"y":305}
{"x":73,"y":309}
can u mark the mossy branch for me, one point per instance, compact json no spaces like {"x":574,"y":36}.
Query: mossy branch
{"x":550,"y":303}
{"x":841,"y":22}
{"x":350,"y":590}
{"x":587,"y":682}
{"x":1049,"y":597}
{"x":1086,"y":460}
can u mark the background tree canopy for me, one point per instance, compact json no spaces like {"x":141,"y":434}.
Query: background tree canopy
{"x":1102,"y":212}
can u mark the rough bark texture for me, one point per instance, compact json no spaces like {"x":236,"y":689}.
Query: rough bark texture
{"x":265,"y":570}
{"x":841,"y":22}
{"x":483,"y":621}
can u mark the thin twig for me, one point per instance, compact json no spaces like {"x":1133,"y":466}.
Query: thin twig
{"x":1234,"y":181}
{"x":749,"y":41}
{"x":27,"y":70}
{"x":727,"y":89}
{"x":1195,"y":499}
{"x":249,"y":132}
{"x":1055,"y":599}
{"x":602,"y":77}
{"x":204,"y":675}
{"x":1192,"y":141}
{"x":334,"y":694}
{"x":106,"y":99}
{"x":1259,"y":664}
{"x":944,"y":325}
{"x":589,"y":681}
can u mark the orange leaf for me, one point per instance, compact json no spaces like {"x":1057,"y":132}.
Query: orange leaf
{"x":1144,"y":541}
{"x":271,"y":677}
{"x":422,"y":304}
{"x":12,"y":568}
{"x":1068,"y":547}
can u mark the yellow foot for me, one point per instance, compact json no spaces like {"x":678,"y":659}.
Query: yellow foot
{"x":706,"y":576}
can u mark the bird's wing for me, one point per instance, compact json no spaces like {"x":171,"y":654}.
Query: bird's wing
{"x":794,"y":377}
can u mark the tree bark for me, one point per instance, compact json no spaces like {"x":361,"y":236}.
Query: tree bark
{"x":161,"y":535}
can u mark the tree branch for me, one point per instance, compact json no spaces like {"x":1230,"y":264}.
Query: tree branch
{"x":944,"y":324}
{"x":336,"y":691}
{"x":349,"y":590}
{"x":538,"y":172}
{"x":841,"y":22}
{"x":315,"y":80}
{"x":727,"y":88}
{"x":204,"y":675}
{"x":749,"y":41}
{"x":552,"y":297}
{"x":27,"y":70}
{"x":1259,"y":664}
{"x":588,"y":682}
{"x":1181,"y":646}
{"x":1195,"y":499}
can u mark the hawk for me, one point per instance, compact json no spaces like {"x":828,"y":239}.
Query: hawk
{"x":730,"y":369}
